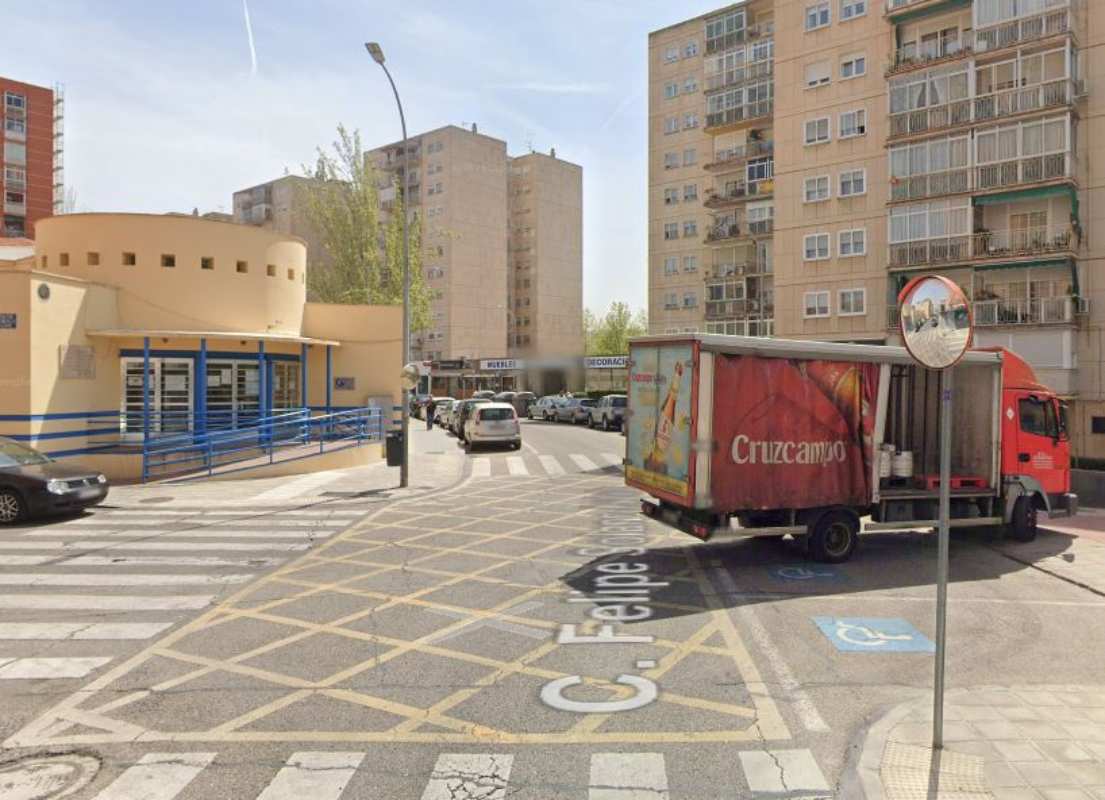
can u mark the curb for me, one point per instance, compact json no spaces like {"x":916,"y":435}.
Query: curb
{"x":874,"y":744}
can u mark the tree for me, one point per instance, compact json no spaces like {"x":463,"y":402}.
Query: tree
{"x":363,"y":240}
{"x":609,"y":334}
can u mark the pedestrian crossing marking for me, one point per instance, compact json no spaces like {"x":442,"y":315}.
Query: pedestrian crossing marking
{"x":142,"y":544}
{"x":166,"y":561}
{"x":172,"y":533}
{"x":110,"y":602}
{"x":516,"y":465}
{"x":115,"y":579}
{"x":24,"y":561}
{"x":469,"y":775}
{"x":157,"y":776}
{"x":551,"y":465}
{"x":52,"y":631}
{"x":47,"y":668}
{"x":613,"y":459}
{"x":313,"y":776}
{"x":782,"y":771}
{"x":583,"y":462}
{"x":628,"y":776}
{"x":481,"y":467}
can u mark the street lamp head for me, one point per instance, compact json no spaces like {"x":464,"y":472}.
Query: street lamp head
{"x":374,"y":50}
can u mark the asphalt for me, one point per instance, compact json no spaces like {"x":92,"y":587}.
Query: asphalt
{"x":443,"y":644}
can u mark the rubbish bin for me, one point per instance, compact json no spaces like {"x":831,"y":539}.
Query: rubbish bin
{"x":394,"y":448}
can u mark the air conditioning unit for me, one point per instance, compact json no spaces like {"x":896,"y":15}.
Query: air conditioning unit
{"x":1080,"y":87}
{"x":1081,"y":305}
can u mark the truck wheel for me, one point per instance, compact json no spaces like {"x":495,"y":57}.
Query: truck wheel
{"x":1022,"y":526}
{"x":834,"y":537}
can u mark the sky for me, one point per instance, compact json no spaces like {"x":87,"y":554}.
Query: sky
{"x":169,"y":108}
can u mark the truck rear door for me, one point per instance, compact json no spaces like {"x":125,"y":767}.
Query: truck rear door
{"x":1040,"y":452}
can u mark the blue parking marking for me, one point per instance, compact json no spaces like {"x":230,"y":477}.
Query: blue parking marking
{"x":799,"y":573}
{"x":874,"y":635}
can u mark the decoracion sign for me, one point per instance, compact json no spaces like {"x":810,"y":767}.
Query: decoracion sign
{"x":501,"y":364}
{"x":345,"y":384}
{"x":606,"y":362}
{"x":8,"y":322}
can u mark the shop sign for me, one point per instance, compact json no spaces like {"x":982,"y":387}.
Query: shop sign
{"x":456,"y":363}
{"x":345,"y":384}
{"x":8,"y":322}
{"x":501,"y":364}
{"x":606,"y":362}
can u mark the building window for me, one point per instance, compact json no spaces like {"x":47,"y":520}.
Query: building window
{"x":15,"y":153}
{"x":817,"y":131}
{"x":671,"y":230}
{"x":690,"y":50}
{"x":853,"y":67}
{"x":817,"y":189}
{"x":690,"y":263}
{"x":270,"y":270}
{"x":850,"y":9}
{"x":690,"y":85}
{"x":689,"y":157}
{"x":853,"y":182}
{"x":291,"y":274}
{"x":690,"y":192}
{"x":815,"y":304}
{"x":671,"y":265}
{"x":168,"y":260}
{"x":129,"y":259}
{"x":15,"y":198}
{"x":852,"y":243}
{"x":818,"y":15}
{"x":690,"y":121}
{"x":15,"y":125}
{"x":759,"y":170}
{"x":63,"y":259}
{"x":1097,"y":424}
{"x":671,"y":125}
{"x":671,"y":300}
{"x":671,"y":197}
{"x":815,"y":247}
{"x":671,"y":89}
{"x":671,"y":160}
{"x":671,"y":54}
{"x":853,"y":123}
{"x":207,"y":262}
{"x":13,"y":100}
{"x":15,"y":177}
{"x":45,"y":262}
{"x":242,"y":267}
{"x":818,"y":73}
{"x":690,"y":300}
{"x":690,"y":229}
{"x":851,"y":302}
{"x":93,"y":259}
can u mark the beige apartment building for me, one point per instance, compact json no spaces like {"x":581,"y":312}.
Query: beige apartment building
{"x":912,"y":136}
{"x":281,"y":206}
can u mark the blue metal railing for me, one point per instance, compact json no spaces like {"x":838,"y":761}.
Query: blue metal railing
{"x":181,"y":442}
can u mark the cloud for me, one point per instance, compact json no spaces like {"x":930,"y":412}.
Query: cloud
{"x":552,"y":88}
{"x":249,"y":35}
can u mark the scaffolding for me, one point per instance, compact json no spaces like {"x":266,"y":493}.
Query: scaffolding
{"x":59,"y":148}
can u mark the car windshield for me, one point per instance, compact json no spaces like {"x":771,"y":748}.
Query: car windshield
{"x":16,"y":455}
{"x":496,"y":414}
{"x":587,"y":403}
{"x":618,"y":402}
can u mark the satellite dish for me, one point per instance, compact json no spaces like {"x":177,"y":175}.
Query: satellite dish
{"x":935,"y":321}
{"x":408,"y":376}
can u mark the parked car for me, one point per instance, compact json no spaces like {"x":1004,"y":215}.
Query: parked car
{"x":504,"y":397}
{"x":545,"y":408}
{"x":492,"y":423}
{"x":574,"y":409}
{"x":483,"y":394}
{"x":464,"y":412}
{"x":523,"y":401}
{"x":608,"y":412}
{"x":444,"y":406}
{"x":418,"y":402}
{"x":33,"y":484}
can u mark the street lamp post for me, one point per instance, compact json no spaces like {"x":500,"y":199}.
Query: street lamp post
{"x":377,"y":54}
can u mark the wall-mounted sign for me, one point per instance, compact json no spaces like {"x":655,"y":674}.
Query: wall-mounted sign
{"x":76,"y":362}
{"x":501,"y":364}
{"x":8,"y":322}
{"x":456,"y":363}
{"x":606,"y":362}
{"x":345,"y":384}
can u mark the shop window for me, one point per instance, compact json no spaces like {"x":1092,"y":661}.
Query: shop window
{"x":243,"y":267}
{"x":168,"y":260}
{"x":207,"y":262}
{"x":129,"y":259}
{"x":1097,"y":424}
{"x":270,"y":270}
{"x":93,"y":259}
{"x":63,"y":259}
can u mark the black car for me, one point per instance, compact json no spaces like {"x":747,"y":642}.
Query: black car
{"x":32,"y":485}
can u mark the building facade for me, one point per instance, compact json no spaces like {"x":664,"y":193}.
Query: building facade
{"x":31,"y":182}
{"x":913,"y":136}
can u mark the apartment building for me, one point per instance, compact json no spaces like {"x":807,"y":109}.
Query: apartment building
{"x":281,"y":206}
{"x":31,"y":179}
{"x":711,"y":173}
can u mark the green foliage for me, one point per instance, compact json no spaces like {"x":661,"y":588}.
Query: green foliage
{"x":609,"y":334}
{"x":364,"y":242}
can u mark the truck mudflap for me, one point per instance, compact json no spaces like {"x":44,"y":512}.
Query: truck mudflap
{"x":1063,"y":505}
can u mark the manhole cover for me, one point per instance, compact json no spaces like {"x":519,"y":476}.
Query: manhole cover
{"x":42,"y":778}
{"x":155,"y":500}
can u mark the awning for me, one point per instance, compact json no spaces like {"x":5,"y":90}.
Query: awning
{"x":1035,"y":193}
{"x":935,"y":8}
{"x":124,"y":333}
{"x":1036,"y":264}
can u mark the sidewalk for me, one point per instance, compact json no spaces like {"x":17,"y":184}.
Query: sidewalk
{"x":436,"y":464}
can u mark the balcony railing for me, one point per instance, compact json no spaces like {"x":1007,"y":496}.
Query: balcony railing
{"x":726,"y":308}
{"x":1037,"y":241}
{"x":1040,"y":311}
{"x":934,"y":118}
{"x":735,"y":155}
{"x":1052,"y":22}
{"x":933,"y":184}
{"x":1030,"y":98}
{"x":927,"y":54}
{"x":734,"y":77}
{"x":730,"y":231}
{"x":733,"y":116}
{"x":719,"y":44}
{"x":897,"y":5}
{"x":738,"y":193}
{"x":945,"y":250}
{"x":1024,"y":170}
{"x":730,"y":269}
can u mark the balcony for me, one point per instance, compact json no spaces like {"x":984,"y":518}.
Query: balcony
{"x":940,"y":251}
{"x":934,"y":118}
{"x":1053,"y":94}
{"x":927,"y":55}
{"x":896,"y":8}
{"x":932,"y":184}
{"x":732,"y":157}
{"x":1022,"y":171}
{"x":733,"y":231}
{"x":984,"y":245}
{"x":736,"y":194}
{"x":738,"y":116}
{"x":719,"y":44}
{"x":1040,"y":311}
{"x":734,"y":77}
{"x":1012,"y":33}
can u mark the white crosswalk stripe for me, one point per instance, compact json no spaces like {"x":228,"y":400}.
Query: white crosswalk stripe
{"x":114,"y":579}
{"x":46,"y":668}
{"x":170,"y":533}
{"x":158,"y":776}
{"x":551,"y":465}
{"x":317,"y":776}
{"x":782,"y":771}
{"x":53,"y":631}
{"x":166,"y":561}
{"x":142,"y":544}
{"x":469,"y":775}
{"x":613,"y":459}
{"x":516,"y":465}
{"x":296,"y":487}
{"x":583,"y":462}
{"x":23,"y":561}
{"x":481,"y":467}
{"x":109,"y":602}
{"x":628,"y":776}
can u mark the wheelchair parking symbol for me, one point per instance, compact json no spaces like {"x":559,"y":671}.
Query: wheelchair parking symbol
{"x":802,"y":574}
{"x":873,"y":635}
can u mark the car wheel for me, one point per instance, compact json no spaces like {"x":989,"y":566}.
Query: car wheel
{"x":12,"y":508}
{"x":605,"y":423}
{"x":1022,"y":526}
{"x":590,"y":422}
{"x":834,"y":537}
{"x":518,"y":445}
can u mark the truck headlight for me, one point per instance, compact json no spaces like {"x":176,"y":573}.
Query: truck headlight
{"x":101,"y":478}
{"x":56,"y":487}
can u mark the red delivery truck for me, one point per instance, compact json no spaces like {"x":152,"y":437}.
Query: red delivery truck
{"x":742,"y":436}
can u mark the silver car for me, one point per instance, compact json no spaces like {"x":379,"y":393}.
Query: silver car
{"x":608,"y":412}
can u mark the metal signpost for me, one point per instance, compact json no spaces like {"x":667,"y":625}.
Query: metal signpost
{"x":935,"y":323}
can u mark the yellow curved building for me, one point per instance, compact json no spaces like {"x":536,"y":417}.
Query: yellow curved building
{"x":216,"y":310}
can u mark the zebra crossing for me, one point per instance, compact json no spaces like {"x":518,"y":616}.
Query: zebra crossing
{"x":327,"y":774}
{"x":544,"y":465}
{"x":90,"y":590}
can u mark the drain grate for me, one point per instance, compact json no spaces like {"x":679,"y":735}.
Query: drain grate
{"x":46,"y":778}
